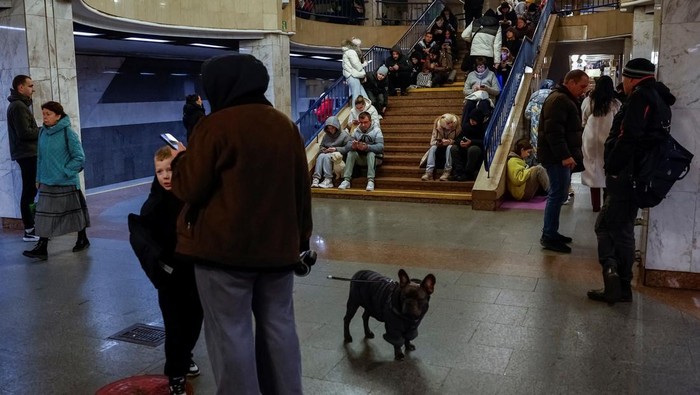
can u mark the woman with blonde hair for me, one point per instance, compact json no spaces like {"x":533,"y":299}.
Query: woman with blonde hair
{"x":445,"y":131}
{"x":354,"y":67}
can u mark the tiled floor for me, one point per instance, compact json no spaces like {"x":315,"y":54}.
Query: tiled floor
{"x":505,"y":318}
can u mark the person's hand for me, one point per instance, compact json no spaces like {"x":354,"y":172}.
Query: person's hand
{"x":180,"y":148}
{"x":476,"y":87}
{"x":362,"y":146}
{"x":354,"y":145}
{"x":569,"y":162}
{"x":330,"y":149}
{"x":465,"y":143}
{"x":355,"y":122}
{"x":446,"y":141}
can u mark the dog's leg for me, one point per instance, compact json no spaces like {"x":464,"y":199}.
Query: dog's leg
{"x":351,"y":310}
{"x":365,"y":322}
{"x":410,"y":346}
{"x":398,"y":354}
{"x":397,"y":341}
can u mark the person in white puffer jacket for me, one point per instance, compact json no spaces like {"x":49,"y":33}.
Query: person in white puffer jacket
{"x":353,"y":67}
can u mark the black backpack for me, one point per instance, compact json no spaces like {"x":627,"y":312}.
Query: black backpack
{"x":655,"y":173}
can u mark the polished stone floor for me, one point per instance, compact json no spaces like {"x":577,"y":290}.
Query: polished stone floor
{"x":506,"y":317}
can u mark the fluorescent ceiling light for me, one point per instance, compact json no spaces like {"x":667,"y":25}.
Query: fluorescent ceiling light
{"x":110,"y":72}
{"x":179,"y":74}
{"x":296,"y":55}
{"x":147,"y":73}
{"x":321,"y":57}
{"x":85,"y":34}
{"x":3,"y":27}
{"x":148,"y":40}
{"x":208,"y":45}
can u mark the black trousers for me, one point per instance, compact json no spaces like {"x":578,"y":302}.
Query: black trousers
{"x":398,"y":80}
{"x":182,"y":315}
{"x":614,"y":229}
{"x":466,"y":162}
{"x":27,"y":167}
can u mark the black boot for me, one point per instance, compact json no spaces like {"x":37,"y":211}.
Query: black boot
{"x":612,"y":293}
{"x":40,"y":250}
{"x":82,"y":242}
{"x":626,"y":291}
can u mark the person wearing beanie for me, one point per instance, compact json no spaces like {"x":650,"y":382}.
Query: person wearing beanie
{"x":245,"y":184}
{"x":645,"y":114}
{"x":560,"y":151}
{"x":375,"y":84}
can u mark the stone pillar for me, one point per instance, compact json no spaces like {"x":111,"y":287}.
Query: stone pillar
{"x":36,"y":39}
{"x":673,"y":254}
{"x":273,"y":51}
{"x":642,"y":33}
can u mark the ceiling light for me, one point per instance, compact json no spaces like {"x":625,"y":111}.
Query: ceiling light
{"x":85,"y":34}
{"x":295,"y":55}
{"x":208,"y":45}
{"x":148,"y":40}
{"x":3,"y":27}
{"x":144,"y":73}
{"x":179,"y":74}
{"x":321,"y":57}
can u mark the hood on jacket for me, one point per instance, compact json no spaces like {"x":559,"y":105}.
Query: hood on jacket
{"x":235,"y":79}
{"x":665,"y":93}
{"x":15,"y":96}
{"x":59,"y":126}
{"x":512,"y":154}
{"x":547,"y":84}
{"x":486,"y":20}
{"x":190,"y":108}
{"x":332,"y":121}
{"x":397,"y":48}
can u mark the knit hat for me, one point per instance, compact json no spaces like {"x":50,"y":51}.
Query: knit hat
{"x":504,"y":5}
{"x":638,"y":68}
{"x":382,"y":70}
{"x":356,"y":41}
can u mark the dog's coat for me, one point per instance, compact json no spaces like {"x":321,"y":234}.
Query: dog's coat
{"x":401,"y":306}
{"x":338,"y":164}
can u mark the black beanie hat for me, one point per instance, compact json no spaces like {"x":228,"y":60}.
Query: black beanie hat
{"x":638,"y":68}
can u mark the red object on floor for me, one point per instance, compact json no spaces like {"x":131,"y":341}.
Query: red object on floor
{"x":141,"y":385}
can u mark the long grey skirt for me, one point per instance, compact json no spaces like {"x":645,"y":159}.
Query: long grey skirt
{"x":60,"y":210}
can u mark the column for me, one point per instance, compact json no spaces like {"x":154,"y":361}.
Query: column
{"x":36,"y":39}
{"x":273,"y":51}
{"x":673,"y":255}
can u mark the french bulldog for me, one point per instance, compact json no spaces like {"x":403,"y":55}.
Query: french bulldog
{"x":400,"y":306}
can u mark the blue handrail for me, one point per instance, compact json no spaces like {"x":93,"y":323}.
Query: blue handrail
{"x":337,"y":95}
{"x":501,"y":112}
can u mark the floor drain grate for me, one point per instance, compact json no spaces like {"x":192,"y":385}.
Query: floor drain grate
{"x":147,"y":335}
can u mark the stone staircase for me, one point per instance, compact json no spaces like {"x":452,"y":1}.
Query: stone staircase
{"x":407,"y":127}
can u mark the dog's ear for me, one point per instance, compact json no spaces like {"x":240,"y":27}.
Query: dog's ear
{"x":428,"y":284}
{"x":403,"y":278}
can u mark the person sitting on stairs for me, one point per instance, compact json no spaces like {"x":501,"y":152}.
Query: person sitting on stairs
{"x":467,"y":154}
{"x":334,"y":140}
{"x":365,"y":148}
{"x":445,"y":131}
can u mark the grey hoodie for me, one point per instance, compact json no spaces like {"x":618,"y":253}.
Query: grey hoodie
{"x":339,"y":140}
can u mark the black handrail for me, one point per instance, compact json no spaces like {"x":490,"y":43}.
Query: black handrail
{"x":566,"y":7}
{"x":332,"y":11}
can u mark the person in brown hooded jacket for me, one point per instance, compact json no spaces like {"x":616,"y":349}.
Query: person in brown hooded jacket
{"x":247,"y":216}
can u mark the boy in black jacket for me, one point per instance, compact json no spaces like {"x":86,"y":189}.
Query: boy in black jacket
{"x":154,"y":244}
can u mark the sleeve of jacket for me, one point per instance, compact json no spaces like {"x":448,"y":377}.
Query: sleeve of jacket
{"x":467,"y":33}
{"x":194,"y":170}
{"x":517,"y":173}
{"x":633,"y":125}
{"x":378,"y":146}
{"x":145,"y":248}
{"x":357,"y":70}
{"x":344,"y":143}
{"x":303,"y":184}
{"x":528,"y":109}
{"x":497,"y":45}
{"x":586,"y":110}
{"x":469,"y":85}
{"x":23,"y":122}
{"x":493,"y":88}
{"x":77,"y":156}
{"x":434,"y":135}
{"x":555,"y":127}
{"x":404,"y":65}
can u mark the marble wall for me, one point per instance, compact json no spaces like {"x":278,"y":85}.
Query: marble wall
{"x":642,"y":33}
{"x":273,"y":52}
{"x":37,"y":40}
{"x":674,"y":228}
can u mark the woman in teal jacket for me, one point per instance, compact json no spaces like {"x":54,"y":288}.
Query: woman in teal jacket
{"x":61,"y":207}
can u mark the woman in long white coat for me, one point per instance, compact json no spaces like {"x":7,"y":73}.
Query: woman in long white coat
{"x":597,"y":111}
{"x":354,"y":68}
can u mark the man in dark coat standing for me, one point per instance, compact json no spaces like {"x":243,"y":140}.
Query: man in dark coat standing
{"x":559,"y":151}
{"x":23,"y":135}
{"x":645,"y":115}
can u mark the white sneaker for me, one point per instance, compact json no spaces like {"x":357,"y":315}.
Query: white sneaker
{"x":314,"y":183}
{"x":370,"y":185}
{"x":327,"y":183}
{"x":30,"y":236}
{"x":344,"y":185}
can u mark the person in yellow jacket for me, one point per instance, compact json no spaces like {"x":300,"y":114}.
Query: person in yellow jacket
{"x":524,"y":181}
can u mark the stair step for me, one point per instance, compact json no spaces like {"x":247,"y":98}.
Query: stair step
{"x":409,"y":183}
{"x":426,"y":119}
{"x":437,"y":111}
{"x":407,"y":149}
{"x":395,"y":195}
{"x":396,"y":138}
{"x":403,"y":159}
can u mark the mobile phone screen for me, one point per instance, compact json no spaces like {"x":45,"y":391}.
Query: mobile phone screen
{"x":169,"y":139}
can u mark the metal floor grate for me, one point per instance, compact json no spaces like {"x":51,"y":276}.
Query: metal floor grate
{"x":147,"y":335}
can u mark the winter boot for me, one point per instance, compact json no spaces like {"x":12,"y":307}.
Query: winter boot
{"x":40,"y":250}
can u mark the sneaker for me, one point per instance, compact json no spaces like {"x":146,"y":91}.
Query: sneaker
{"x":327,"y":183}
{"x":613,"y":289}
{"x":177,"y":385}
{"x":567,"y":202}
{"x":555,"y":245}
{"x":564,"y":239}
{"x":445,"y":175}
{"x":30,"y":235}
{"x":344,"y":185}
{"x":193,"y":371}
{"x":428,"y":176}
{"x":370,"y":185}
{"x":314,"y":183}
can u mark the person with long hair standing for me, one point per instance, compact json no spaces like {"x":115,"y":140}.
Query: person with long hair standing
{"x":61,"y":207}
{"x":598,"y":110}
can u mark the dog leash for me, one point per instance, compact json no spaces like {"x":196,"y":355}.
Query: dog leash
{"x":357,"y":281}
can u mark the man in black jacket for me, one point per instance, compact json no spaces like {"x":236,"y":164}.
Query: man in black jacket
{"x":559,"y":151}
{"x":24,"y":133}
{"x":645,"y":114}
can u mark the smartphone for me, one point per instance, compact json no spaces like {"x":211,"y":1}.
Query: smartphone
{"x":170,"y":140}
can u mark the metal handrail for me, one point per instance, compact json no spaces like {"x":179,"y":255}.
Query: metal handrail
{"x":504,"y":105}
{"x":337,"y":95}
{"x":330,"y":11}
{"x":411,"y":8}
{"x":565,"y":7}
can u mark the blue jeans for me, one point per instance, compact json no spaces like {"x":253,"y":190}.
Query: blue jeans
{"x":559,"y":180}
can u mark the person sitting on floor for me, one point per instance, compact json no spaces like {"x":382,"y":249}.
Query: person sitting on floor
{"x":467,"y":154}
{"x":525,"y":181}
{"x":445,"y":131}
{"x":366,"y":148}
{"x":334,"y":140}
